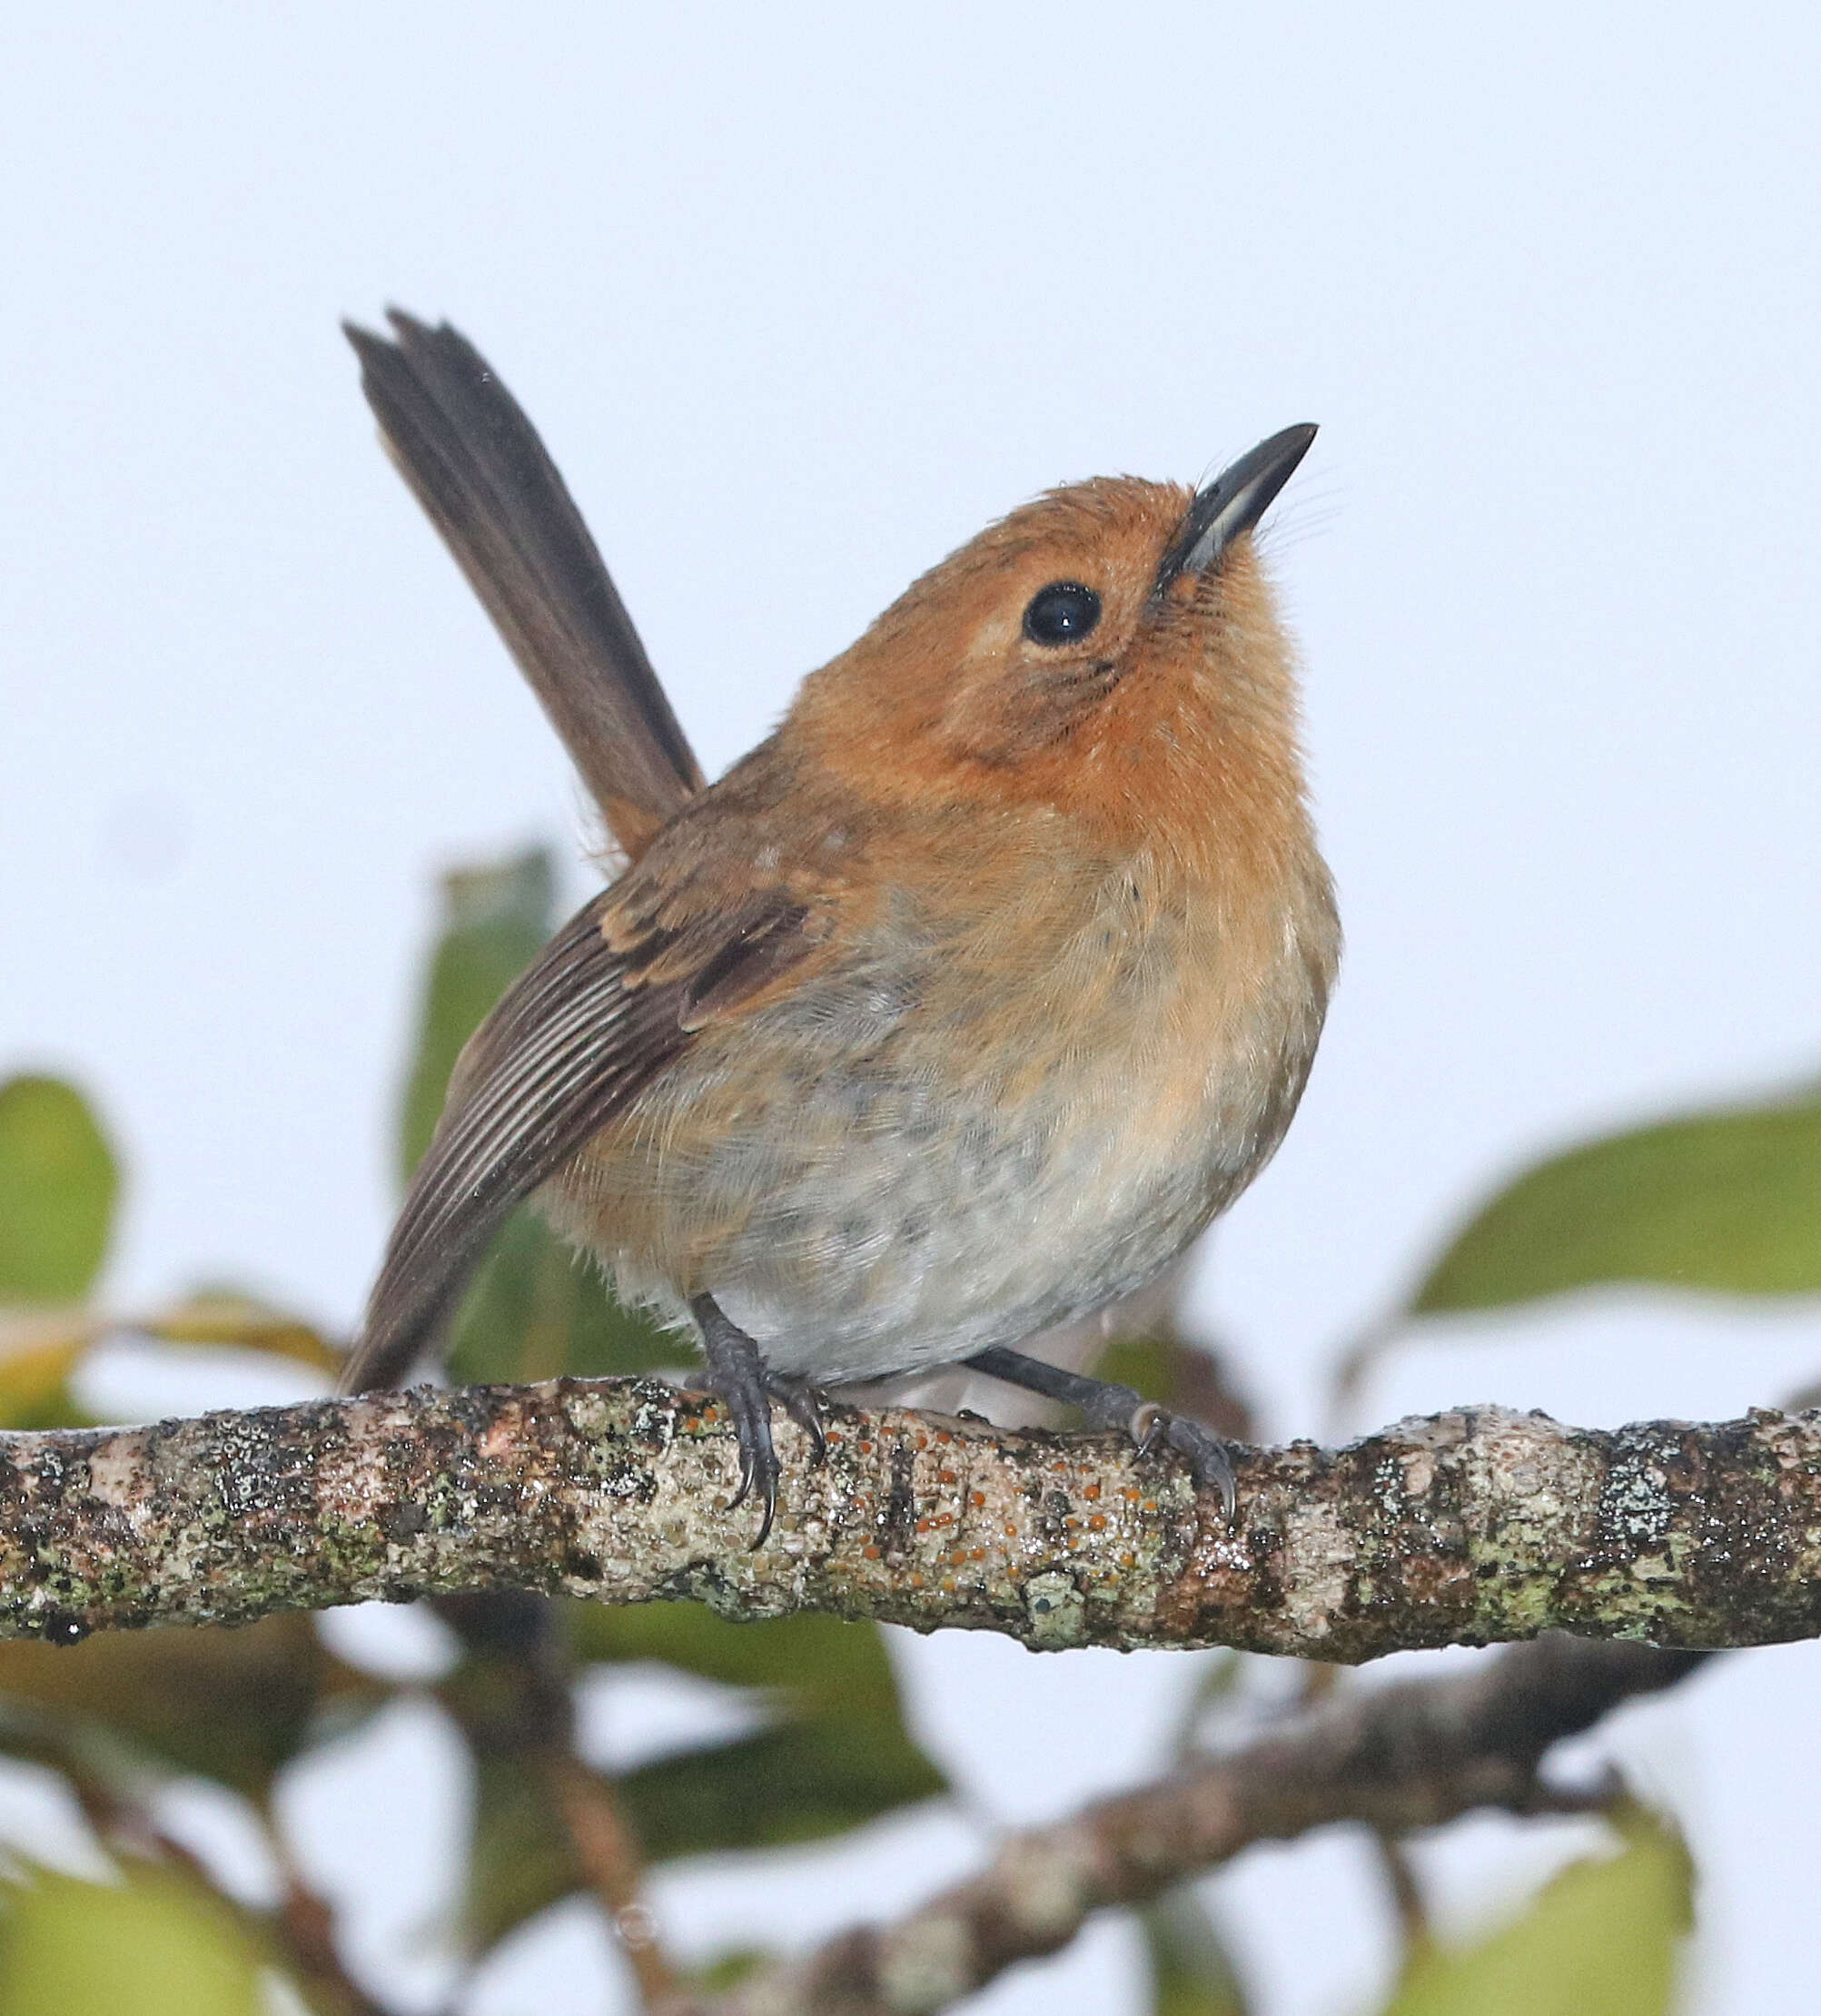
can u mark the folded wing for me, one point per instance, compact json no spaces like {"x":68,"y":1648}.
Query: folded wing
{"x":576,"y":1037}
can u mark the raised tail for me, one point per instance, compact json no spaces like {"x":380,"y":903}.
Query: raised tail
{"x":477,"y":466}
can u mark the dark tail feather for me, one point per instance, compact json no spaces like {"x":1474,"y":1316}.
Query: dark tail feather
{"x":476,"y":465}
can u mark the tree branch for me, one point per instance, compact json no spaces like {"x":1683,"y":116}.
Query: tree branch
{"x":1465,"y":1529}
{"x":1412,"y":1754}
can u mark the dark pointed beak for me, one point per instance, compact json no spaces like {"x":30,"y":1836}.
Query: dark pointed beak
{"x":1233,"y":503}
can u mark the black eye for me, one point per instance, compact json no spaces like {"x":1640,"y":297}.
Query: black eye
{"x":1061,"y":613}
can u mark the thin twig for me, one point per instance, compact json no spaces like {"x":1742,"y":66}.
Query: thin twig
{"x":1396,"y":1758}
{"x":528,"y":1719}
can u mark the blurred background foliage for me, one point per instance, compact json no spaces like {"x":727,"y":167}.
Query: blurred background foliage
{"x":1724,"y":1202}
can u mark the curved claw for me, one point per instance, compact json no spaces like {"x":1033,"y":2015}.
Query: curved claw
{"x":758,"y":1460}
{"x":741,"y":1378}
{"x":1208,"y":1457}
{"x":803,"y":1403}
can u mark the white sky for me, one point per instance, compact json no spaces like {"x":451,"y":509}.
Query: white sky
{"x":801,"y":298}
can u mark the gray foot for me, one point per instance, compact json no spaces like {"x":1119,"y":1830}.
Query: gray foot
{"x":739,"y":1375}
{"x":1106,"y":1405}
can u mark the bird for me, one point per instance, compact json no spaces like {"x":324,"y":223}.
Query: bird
{"x":954,"y":1011}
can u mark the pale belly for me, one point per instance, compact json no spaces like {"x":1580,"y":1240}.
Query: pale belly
{"x":917,"y":1162}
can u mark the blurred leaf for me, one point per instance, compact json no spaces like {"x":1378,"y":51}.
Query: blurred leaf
{"x":495,"y":921}
{"x":1186,"y":1377}
{"x":839,"y":1753}
{"x":724,"y":1972}
{"x":156,"y":1943}
{"x":822,"y":1662}
{"x":520,"y":1858}
{"x":1727,"y":1202}
{"x":802,"y":1782}
{"x":221,"y":1316}
{"x":1147,"y":1364}
{"x":1602,"y":1939}
{"x":535,"y":1308}
{"x":38,"y":1352}
{"x":1191,"y":1974}
{"x":228,"y":1704}
{"x":58,"y":1186}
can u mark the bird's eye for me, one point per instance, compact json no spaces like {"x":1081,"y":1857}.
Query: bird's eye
{"x":1061,"y":613}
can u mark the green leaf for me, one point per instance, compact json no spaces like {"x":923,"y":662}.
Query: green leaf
{"x":727,"y":1969}
{"x":495,"y":921}
{"x":535,"y":1308}
{"x":803,"y":1781}
{"x":230,"y":1705}
{"x":1188,"y":1379}
{"x":157,"y":1943}
{"x":1191,"y":1973}
{"x":1725,"y":1201}
{"x":817,"y":1663}
{"x":1146,"y":1364}
{"x":520,"y":1857}
{"x":58,"y":1187}
{"x":1602,"y":1939}
{"x":838,"y":1755}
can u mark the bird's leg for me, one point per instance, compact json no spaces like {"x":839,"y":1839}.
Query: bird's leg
{"x":736,"y":1372}
{"x":1106,"y":1405}
{"x":740,"y":1375}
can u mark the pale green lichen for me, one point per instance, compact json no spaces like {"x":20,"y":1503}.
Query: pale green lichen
{"x":1056,"y":1612}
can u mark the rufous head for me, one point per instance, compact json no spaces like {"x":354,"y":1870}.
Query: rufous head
{"x":1104,"y":650}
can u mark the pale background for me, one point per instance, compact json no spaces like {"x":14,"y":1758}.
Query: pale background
{"x":801,"y":298}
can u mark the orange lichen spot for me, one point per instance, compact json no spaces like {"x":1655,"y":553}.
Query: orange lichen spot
{"x":866,"y":1448}
{"x":1097,"y":1523}
{"x":1128,"y":1560}
{"x":947,"y":1476}
{"x":922,"y":1442}
{"x":1011,"y":1533}
{"x":957,"y":1558}
{"x":976,"y":1554}
{"x":1150,"y":1505}
{"x":944,"y":1436}
{"x":1129,"y":1493}
{"x":1091,"y":1491}
{"x":917,"y":1580}
{"x":977,"y":1499}
{"x":948,"y":1585}
{"x":871,"y":1550}
{"x":923,"y":1526}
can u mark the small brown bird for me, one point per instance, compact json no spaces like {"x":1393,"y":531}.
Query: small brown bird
{"x":953,"y":1012}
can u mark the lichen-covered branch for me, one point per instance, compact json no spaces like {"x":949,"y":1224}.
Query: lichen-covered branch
{"x":1462,"y":1529}
{"x":1397,"y":1757}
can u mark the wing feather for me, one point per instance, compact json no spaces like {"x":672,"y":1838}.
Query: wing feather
{"x":571,"y":1041}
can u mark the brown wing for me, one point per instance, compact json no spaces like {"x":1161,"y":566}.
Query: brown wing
{"x":476,"y":465}
{"x":570,"y":1041}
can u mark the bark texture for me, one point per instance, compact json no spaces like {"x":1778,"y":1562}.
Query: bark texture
{"x":1467,"y":1527}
